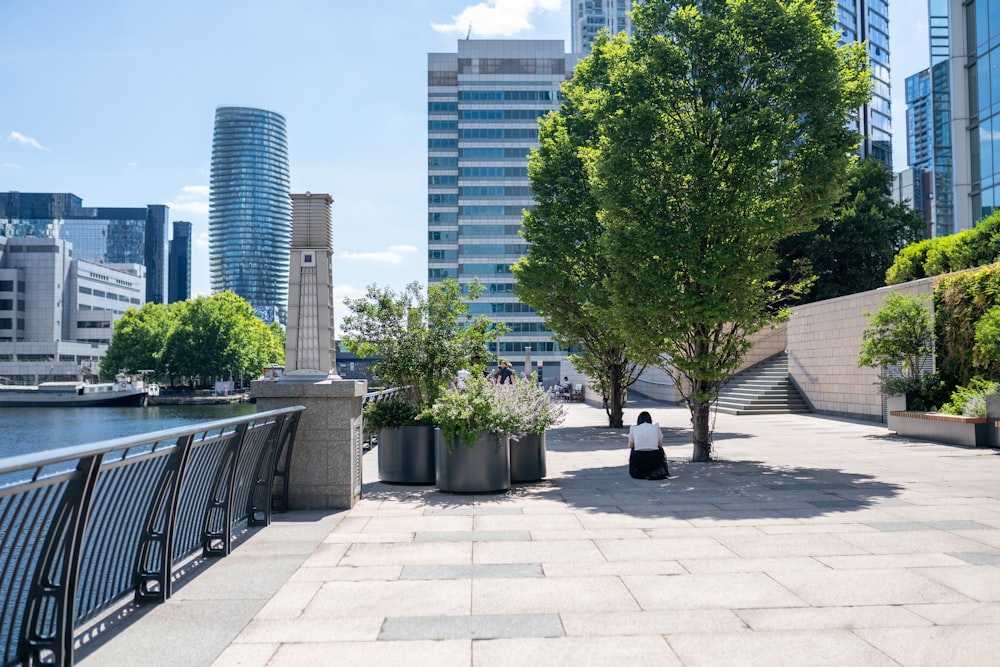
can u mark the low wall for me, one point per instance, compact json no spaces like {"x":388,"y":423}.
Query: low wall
{"x":824,"y":339}
{"x":949,"y":429}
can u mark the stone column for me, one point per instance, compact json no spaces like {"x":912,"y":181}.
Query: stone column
{"x":325,"y":470}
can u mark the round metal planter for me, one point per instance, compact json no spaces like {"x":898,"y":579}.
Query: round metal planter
{"x":406,"y":455}
{"x":482,"y":468}
{"x":527,"y":458}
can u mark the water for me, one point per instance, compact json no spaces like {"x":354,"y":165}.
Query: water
{"x":27,"y":430}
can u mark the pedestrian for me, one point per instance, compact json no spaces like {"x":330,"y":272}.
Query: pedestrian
{"x":505,"y":375}
{"x":645,"y":442}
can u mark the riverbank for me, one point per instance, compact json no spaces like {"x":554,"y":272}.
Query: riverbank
{"x":207,"y":398}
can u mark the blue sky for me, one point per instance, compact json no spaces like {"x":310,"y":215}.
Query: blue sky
{"x":114,"y":100}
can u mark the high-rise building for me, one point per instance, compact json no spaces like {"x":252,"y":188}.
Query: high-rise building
{"x":919,"y":121}
{"x":945,"y":213}
{"x":964,"y":62}
{"x":483,"y":107}
{"x":104,"y":235}
{"x":591,"y":16}
{"x":180,"y":263}
{"x":250,"y":217}
{"x":868,"y":20}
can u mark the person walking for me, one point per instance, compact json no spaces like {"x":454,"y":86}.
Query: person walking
{"x":645,"y":442}
{"x":505,"y":375}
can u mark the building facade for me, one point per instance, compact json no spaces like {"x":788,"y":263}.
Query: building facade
{"x":868,"y":20}
{"x":103,"y":235}
{"x":483,"y":105}
{"x":919,"y":121}
{"x":57,"y":312}
{"x":589,"y":17}
{"x":179,"y":288}
{"x":250,"y":217}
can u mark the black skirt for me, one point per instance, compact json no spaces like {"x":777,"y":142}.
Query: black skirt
{"x":648,"y":464}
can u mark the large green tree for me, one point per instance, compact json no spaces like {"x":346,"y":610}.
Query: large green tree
{"x":219,"y":336}
{"x":561,"y":276}
{"x":851,"y":250}
{"x":137,"y":340}
{"x":721,"y":130}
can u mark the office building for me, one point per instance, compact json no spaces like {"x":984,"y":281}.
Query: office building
{"x":250,"y":217}
{"x":589,"y":17}
{"x":915,"y":188}
{"x":103,"y":235}
{"x":919,"y":121}
{"x":484,"y":102}
{"x":56,"y":311}
{"x":965,"y":64}
{"x":180,"y":263}
{"x":868,"y":20}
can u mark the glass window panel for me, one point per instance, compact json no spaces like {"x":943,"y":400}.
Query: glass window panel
{"x":986,"y":148}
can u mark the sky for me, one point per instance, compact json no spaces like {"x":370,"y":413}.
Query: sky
{"x":114,"y":101}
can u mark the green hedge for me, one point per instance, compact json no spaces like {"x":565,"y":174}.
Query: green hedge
{"x":964,"y":250}
{"x":960,"y":301}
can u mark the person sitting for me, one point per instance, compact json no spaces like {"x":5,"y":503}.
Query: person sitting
{"x":646,"y":457}
{"x":564,"y":388}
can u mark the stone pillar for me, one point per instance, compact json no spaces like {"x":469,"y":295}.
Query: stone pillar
{"x":325,"y":470}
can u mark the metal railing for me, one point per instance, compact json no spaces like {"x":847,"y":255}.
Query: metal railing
{"x":84,"y":528}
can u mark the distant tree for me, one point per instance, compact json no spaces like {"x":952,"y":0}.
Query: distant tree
{"x":219,"y":336}
{"x":721,"y":131}
{"x":562,"y":273}
{"x":138,"y":340}
{"x":851,"y":250}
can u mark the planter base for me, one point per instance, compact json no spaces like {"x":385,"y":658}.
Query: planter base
{"x":482,"y":468}
{"x":527,"y":458}
{"x":406,"y":455}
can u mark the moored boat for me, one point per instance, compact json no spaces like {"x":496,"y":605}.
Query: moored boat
{"x":122,"y":392}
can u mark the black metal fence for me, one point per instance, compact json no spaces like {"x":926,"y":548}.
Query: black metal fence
{"x":83,"y":529}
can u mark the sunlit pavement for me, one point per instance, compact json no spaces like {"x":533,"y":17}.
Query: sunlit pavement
{"x":808,"y":541}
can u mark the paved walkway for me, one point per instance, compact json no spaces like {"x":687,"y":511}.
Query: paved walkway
{"x":811,"y":541}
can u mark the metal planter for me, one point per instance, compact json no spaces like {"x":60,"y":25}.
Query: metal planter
{"x":527,"y":458}
{"x":406,"y":455}
{"x":482,"y":468}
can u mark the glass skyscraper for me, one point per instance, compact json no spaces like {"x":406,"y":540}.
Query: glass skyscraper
{"x":861,"y":20}
{"x":250,"y":214}
{"x":590,"y":16}
{"x":180,"y":263}
{"x":99,"y":234}
{"x":483,"y":106}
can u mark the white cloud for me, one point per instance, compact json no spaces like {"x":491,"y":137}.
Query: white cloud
{"x":11,"y":165}
{"x":497,"y":18}
{"x":18,"y":138}
{"x":391,"y":255}
{"x":191,"y":199}
{"x":133,"y":165}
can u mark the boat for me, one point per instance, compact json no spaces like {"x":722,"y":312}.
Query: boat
{"x":124,"y":391}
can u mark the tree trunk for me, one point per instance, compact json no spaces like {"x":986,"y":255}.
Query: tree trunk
{"x":615,"y":409}
{"x":701,"y":412}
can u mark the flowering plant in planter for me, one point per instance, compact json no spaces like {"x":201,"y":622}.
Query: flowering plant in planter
{"x":463,"y":413}
{"x":394,"y":413}
{"x":533,"y":409}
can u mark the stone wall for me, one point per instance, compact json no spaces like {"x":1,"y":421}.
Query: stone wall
{"x":824,"y":339}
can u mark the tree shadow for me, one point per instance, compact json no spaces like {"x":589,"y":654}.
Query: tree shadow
{"x":597,"y":438}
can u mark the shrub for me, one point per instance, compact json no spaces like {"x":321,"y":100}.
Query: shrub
{"x":900,"y":333}
{"x":391,"y":413}
{"x":971,"y":400}
{"x":986,"y":352}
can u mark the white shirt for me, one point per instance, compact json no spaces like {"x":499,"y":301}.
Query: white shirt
{"x":645,"y":436}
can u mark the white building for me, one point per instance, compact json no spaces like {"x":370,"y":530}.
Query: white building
{"x":56,"y":312}
{"x":590,"y":16}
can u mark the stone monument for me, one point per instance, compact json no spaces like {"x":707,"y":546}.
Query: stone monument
{"x":325,"y":468}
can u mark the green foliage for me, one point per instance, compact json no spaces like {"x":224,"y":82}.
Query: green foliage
{"x":391,"y":413}
{"x":927,"y":393}
{"x":216,"y":336}
{"x":563,"y":271}
{"x":960,"y":300}
{"x":909,"y":263}
{"x":850,"y":251}
{"x":138,"y":339}
{"x":986,"y":352}
{"x":719,"y":130}
{"x":462,"y":413}
{"x":965,"y":250}
{"x":971,"y":400}
{"x":900,"y":332}
{"x":420,"y":343}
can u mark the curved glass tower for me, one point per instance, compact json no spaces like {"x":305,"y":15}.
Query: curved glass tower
{"x":250,"y":214}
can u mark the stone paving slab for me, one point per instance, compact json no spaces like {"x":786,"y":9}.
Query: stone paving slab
{"x":810,"y":540}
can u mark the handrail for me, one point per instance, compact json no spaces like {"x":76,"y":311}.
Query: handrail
{"x":809,"y":378}
{"x":83,"y":528}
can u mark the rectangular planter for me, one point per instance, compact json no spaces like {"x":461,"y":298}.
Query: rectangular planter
{"x":949,"y":429}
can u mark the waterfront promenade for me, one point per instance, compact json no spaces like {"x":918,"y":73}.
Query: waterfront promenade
{"x":811,"y":541}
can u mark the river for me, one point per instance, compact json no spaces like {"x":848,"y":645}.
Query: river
{"x":26,"y":430}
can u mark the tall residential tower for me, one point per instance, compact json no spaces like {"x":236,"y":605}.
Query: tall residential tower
{"x":590,"y":16}
{"x":250,"y":217}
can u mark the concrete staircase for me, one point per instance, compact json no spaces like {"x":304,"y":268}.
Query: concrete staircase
{"x":762,"y":389}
